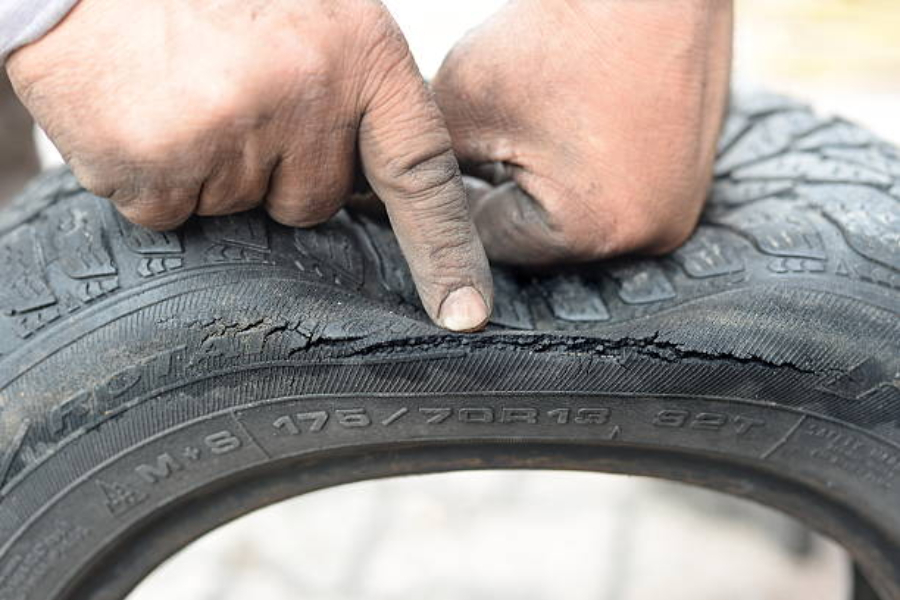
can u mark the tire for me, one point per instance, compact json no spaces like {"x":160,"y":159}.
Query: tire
{"x":154,"y":386}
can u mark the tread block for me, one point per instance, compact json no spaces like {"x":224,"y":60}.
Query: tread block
{"x":642,"y":282}
{"x":709,"y":253}
{"x":806,"y":166}
{"x":869,"y":219}
{"x":733,"y":193}
{"x":771,"y":136}
{"x":333,"y":247}
{"x":571,"y":298}
{"x":90,"y":290}
{"x":510,"y":308}
{"x":24,"y":287}
{"x":221,"y":253}
{"x":838,"y":133}
{"x":779,"y":232}
{"x":80,"y":241}
{"x":735,"y":125}
{"x":868,"y":271}
{"x":146,"y":241}
{"x":392,"y":267}
{"x":863,"y":379}
{"x":150,"y":267}
{"x":872,"y":157}
{"x":41,"y":193}
{"x":237,"y":238}
{"x":29,"y":323}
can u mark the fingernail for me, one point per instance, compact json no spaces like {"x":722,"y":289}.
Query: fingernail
{"x":464,"y":310}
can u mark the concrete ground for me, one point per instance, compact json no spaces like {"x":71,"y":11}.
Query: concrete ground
{"x":535,"y":536}
{"x":521,"y":535}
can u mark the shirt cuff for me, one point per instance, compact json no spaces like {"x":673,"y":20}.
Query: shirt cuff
{"x":24,"y":21}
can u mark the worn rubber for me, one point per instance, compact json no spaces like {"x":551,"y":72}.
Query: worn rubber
{"x":153,"y":386}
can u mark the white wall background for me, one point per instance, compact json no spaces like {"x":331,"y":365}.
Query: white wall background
{"x":433,"y":26}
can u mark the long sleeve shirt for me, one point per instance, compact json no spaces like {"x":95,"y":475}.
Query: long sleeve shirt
{"x":24,"y":21}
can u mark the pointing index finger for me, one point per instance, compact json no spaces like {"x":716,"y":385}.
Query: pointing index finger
{"x":406,"y":153}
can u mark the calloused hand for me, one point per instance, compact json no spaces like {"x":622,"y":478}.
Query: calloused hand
{"x":603,"y":115}
{"x":179,"y":107}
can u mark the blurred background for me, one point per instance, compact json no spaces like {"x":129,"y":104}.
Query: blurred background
{"x":542,"y":536}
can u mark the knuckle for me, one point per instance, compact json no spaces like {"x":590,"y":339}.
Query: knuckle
{"x":154,"y":210}
{"x":385,"y":38}
{"x":451,"y":252}
{"x":314,"y":72}
{"x":387,"y":54}
{"x":304,"y":211}
{"x":319,"y":215}
{"x":291,"y":218}
{"x":227,"y":196}
{"x":154,"y":218}
{"x":93,"y":181}
{"x":221,"y":105}
{"x":217,"y":207}
{"x":421,"y":176}
{"x":139,"y":142}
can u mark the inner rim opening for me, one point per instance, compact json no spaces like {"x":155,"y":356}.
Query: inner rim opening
{"x":114,"y":574}
{"x":513,"y":534}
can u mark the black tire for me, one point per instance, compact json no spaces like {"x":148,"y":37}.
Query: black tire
{"x":153,"y":386}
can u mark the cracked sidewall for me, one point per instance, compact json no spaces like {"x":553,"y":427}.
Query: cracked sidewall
{"x":184,"y":405}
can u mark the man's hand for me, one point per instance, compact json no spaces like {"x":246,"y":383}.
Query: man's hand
{"x":176,"y":107}
{"x":603,"y":113}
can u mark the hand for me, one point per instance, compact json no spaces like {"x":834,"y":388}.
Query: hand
{"x":603,"y":113}
{"x":177,"y":107}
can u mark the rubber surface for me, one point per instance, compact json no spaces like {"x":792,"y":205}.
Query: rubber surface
{"x":155,"y":385}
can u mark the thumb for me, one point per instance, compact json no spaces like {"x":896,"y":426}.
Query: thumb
{"x":517,"y":230}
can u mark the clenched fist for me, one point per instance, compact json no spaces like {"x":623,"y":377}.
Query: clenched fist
{"x":177,"y":107}
{"x":597,"y":118}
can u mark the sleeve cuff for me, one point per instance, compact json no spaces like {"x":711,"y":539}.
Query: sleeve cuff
{"x":24,"y":21}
